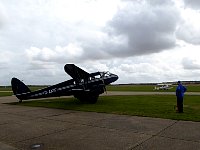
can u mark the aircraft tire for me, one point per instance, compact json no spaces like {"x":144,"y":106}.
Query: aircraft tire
{"x":92,"y":99}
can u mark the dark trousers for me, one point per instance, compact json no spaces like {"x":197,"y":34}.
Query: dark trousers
{"x":180,"y":104}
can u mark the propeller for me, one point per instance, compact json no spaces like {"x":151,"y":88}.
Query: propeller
{"x":102,"y":78}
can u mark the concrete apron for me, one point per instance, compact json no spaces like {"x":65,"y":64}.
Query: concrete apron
{"x":43,"y":129}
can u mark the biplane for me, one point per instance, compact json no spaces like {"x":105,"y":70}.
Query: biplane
{"x":84,"y":86}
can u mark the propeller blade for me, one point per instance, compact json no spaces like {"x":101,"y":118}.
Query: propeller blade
{"x":102,"y":78}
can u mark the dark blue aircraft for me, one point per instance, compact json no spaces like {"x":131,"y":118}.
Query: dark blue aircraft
{"x":84,"y":86}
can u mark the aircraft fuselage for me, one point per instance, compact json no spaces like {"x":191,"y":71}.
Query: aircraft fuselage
{"x":94,"y":85}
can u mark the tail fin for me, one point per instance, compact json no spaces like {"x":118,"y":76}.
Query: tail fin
{"x":19,"y":87}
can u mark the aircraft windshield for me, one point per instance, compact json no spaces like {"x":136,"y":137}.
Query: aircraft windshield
{"x":106,"y":74}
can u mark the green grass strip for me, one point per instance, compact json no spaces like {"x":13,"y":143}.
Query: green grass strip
{"x":158,"y":106}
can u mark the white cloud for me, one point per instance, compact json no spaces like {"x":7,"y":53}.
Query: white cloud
{"x":189,"y":29}
{"x":2,"y":16}
{"x":191,"y":63}
{"x":195,"y":4}
{"x":141,"y":41}
{"x":189,"y":33}
{"x":148,"y":28}
{"x":69,"y":53}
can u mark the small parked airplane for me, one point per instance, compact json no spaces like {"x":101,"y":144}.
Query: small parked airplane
{"x":84,"y":86}
{"x":163,"y":86}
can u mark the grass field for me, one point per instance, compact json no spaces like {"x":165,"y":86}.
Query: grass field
{"x":159,"y":106}
{"x":5,"y":93}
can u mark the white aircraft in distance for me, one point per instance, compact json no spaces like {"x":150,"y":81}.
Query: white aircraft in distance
{"x":163,"y":86}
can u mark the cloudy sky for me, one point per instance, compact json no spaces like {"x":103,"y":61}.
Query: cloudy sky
{"x":139,"y":40}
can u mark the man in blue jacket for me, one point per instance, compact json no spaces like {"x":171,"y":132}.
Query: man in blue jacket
{"x":180,"y":90}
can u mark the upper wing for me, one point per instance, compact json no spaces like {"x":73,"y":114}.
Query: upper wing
{"x":75,"y":72}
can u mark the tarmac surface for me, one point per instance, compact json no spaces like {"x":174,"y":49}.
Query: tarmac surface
{"x":34,"y":128}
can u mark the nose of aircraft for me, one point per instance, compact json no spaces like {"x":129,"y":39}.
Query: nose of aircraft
{"x":113,"y":78}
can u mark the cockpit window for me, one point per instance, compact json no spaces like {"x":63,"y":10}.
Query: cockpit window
{"x":106,"y":74}
{"x":99,"y":75}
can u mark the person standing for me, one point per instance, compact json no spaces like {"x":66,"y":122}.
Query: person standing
{"x":180,"y":90}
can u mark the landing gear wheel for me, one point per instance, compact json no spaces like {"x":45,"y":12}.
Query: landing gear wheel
{"x":92,"y":99}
